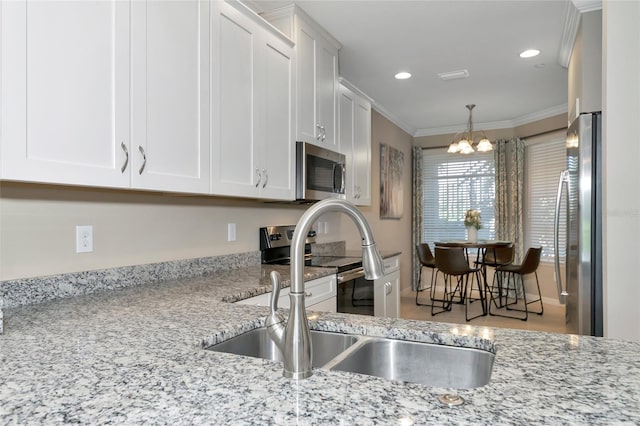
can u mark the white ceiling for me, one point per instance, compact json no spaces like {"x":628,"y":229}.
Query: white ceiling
{"x":427,"y":37}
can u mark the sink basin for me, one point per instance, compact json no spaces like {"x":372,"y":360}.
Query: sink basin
{"x":256,"y":343}
{"x":425,"y":363}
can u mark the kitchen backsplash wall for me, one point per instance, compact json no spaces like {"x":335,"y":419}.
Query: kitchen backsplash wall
{"x":37,"y":227}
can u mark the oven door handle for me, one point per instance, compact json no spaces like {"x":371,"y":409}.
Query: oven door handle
{"x":350,"y":275}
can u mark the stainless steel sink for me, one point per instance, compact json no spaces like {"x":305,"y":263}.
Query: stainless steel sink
{"x":256,"y":343}
{"x":428,"y":364}
{"x":415,"y":362}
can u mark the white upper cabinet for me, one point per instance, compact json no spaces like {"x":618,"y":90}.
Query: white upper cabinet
{"x":170,"y":56}
{"x":354,"y":134}
{"x":252,"y":140}
{"x":76,"y":111}
{"x":65,"y":92}
{"x":316,"y":75}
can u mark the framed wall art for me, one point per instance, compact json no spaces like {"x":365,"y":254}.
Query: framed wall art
{"x":391,"y":192}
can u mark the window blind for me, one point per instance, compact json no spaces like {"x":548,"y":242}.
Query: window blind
{"x":544,"y":162}
{"x":451,"y":185}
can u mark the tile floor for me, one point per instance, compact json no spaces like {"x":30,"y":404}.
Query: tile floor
{"x":552,"y":320}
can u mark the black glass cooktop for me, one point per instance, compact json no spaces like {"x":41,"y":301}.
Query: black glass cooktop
{"x":342,"y":263}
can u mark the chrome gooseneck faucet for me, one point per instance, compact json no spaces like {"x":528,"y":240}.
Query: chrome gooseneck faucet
{"x":294,"y":339}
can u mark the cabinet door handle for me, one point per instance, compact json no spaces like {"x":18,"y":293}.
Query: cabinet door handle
{"x":308,"y":294}
{"x":324,"y":134}
{"x":320,"y":135}
{"x":387,"y":287}
{"x":266,"y":178}
{"x":144,"y":159}
{"x":126,"y":157}
{"x":259,"y":177}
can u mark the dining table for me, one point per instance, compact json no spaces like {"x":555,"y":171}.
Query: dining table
{"x":481,"y":246}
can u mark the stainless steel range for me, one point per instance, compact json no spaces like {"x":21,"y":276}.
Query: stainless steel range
{"x":355,"y":293}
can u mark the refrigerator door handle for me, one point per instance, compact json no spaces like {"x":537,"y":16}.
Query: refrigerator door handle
{"x":564,"y":180}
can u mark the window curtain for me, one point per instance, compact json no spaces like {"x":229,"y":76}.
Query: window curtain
{"x":417,"y":214}
{"x":509,"y":164}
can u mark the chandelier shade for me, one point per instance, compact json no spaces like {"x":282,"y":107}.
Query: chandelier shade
{"x":463,"y":142}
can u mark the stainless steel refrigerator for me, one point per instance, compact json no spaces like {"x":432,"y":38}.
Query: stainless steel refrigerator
{"x":580,"y":192}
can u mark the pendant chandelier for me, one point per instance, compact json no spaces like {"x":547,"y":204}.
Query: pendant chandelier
{"x":463,"y":142}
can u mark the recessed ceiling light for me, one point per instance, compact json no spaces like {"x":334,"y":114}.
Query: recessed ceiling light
{"x":530,"y":53}
{"x":403,"y":75}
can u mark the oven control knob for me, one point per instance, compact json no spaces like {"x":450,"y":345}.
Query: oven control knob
{"x":312,"y":234}
{"x":275,"y":237}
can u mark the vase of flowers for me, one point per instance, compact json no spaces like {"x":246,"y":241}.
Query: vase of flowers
{"x":473,"y":222}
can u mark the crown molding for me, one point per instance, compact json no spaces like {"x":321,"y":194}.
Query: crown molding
{"x":569,"y":32}
{"x":540,"y":115}
{"x":494,"y":125}
{"x":393,"y":118}
{"x":574,"y":9}
{"x":346,"y":83}
{"x":587,"y":5}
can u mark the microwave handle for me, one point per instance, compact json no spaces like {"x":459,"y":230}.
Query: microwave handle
{"x":342,"y":172}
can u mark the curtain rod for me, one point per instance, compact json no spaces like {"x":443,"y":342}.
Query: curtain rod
{"x":521,"y":137}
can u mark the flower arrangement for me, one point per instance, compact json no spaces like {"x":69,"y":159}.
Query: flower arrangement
{"x":472,"y":218}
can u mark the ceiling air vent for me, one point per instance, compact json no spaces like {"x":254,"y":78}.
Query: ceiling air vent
{"x":453,"y":75}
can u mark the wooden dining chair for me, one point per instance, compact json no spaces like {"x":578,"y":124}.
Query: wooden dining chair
{"x":515,"y":286}
{"x":427,"y":260}
{"x":453,"y":264}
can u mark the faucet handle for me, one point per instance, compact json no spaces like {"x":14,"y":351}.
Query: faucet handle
{"x":274,"y":317}
{"x":275,"y":321}
{"x":275,"y":292}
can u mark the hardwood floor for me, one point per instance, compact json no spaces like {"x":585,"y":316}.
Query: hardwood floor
{"x":553,"y":319}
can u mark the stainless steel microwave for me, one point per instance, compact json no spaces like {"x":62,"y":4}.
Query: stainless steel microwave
{"x":320,"y":173}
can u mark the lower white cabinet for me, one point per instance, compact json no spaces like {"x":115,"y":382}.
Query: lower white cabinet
{"x":386,"y":290}
{"x":320,"y":295}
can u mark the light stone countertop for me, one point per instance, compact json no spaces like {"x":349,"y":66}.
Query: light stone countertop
{"x":136,"y":355}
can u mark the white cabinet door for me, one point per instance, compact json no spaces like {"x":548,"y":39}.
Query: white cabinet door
{"x":327,"y":92}
{"x":386,"y":290}
{"x":274,"y":112}
{"x":316,"y":66}
{"x":252,"y":140}
{"x":307,"y":127}
{"x":234,"y":169}
{"x":170,"y":57}
{"x":346,"y":137}
{"x":65,"y":92}
{"x":354,"y":126}
{"x":361,"y":159}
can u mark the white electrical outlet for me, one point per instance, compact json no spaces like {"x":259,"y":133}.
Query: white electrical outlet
{"x":231,"y":231}
{"x":84,"y":239}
